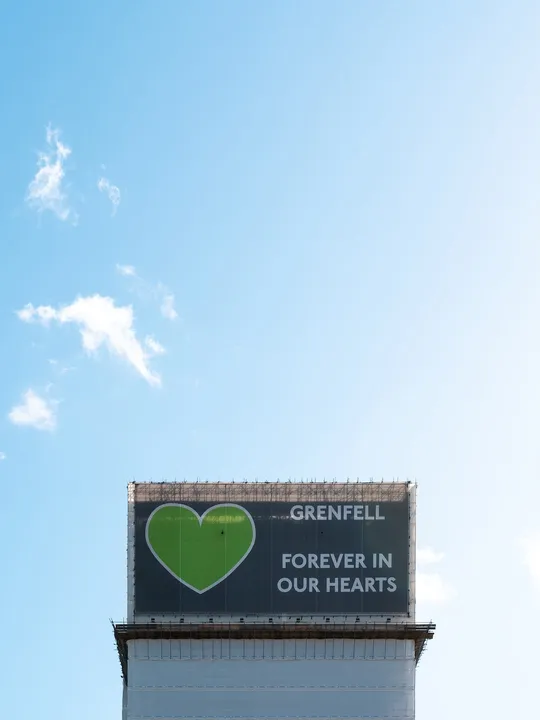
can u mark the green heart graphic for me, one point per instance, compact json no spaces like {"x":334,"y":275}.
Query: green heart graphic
{"x":200,"y":550}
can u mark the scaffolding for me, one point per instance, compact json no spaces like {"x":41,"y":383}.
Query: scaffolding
{"x":287,"y":491}
{"x":339,"y":639}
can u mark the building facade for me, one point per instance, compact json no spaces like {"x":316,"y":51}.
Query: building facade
{"x":191,"y":648}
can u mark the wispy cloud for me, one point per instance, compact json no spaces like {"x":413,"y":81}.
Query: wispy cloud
{"x":159,"y":292}
{"x":167,"y":307}
{"x":45,"y":191}
{"x":113,"y":192}
{"x":431,"y":587}
{"x":101,"y":322}
{"x":154,"y":346}
{"x":126,"y":270}
{"x":34,"y":411}
{"x":60,"y":369}
{"x":530,"y":548}
{"x":3,"y":456}
{"x":428,"y":556}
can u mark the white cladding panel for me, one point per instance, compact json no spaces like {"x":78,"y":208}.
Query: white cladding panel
{"x":272,"y":679}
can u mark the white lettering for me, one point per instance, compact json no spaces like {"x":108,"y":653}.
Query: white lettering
{"x":284,"y":585}
{"x":332,"y":560}
{"x":357,"y":585}
{"x":347,"y":584}
{"x":336,"y":512}
{"x":300,"y":584}
{"x":367,"y":516}
{"x":332,"y":585}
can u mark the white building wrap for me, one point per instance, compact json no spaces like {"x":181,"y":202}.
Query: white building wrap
{"x":274,"y":678}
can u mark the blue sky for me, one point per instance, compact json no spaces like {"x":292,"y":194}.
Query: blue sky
{"x":339,"y":201}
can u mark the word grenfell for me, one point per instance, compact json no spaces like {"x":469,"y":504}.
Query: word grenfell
{"x":336,"y":512}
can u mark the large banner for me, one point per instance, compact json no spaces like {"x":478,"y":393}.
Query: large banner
{"x":271,"y":558}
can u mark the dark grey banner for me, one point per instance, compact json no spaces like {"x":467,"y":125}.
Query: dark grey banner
{"x":271,"y":558}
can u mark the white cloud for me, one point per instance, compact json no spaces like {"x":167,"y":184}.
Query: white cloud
{"x":126,"y":270}
{"x":167,"y":307}
{"x":44,"y":313}
{"x":3,"y":456}
{"x":60,"y":369}
{"x":35,"y":412}
{"x":428,"y":556}
{"x":45,"y":191}
{"x":101,"y":322}
{"x":432,"y":588}
{"x":154,"y":346}
{"x":530,"y":547}
{"x":113,"y":192}
{"x":159,"y":292}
